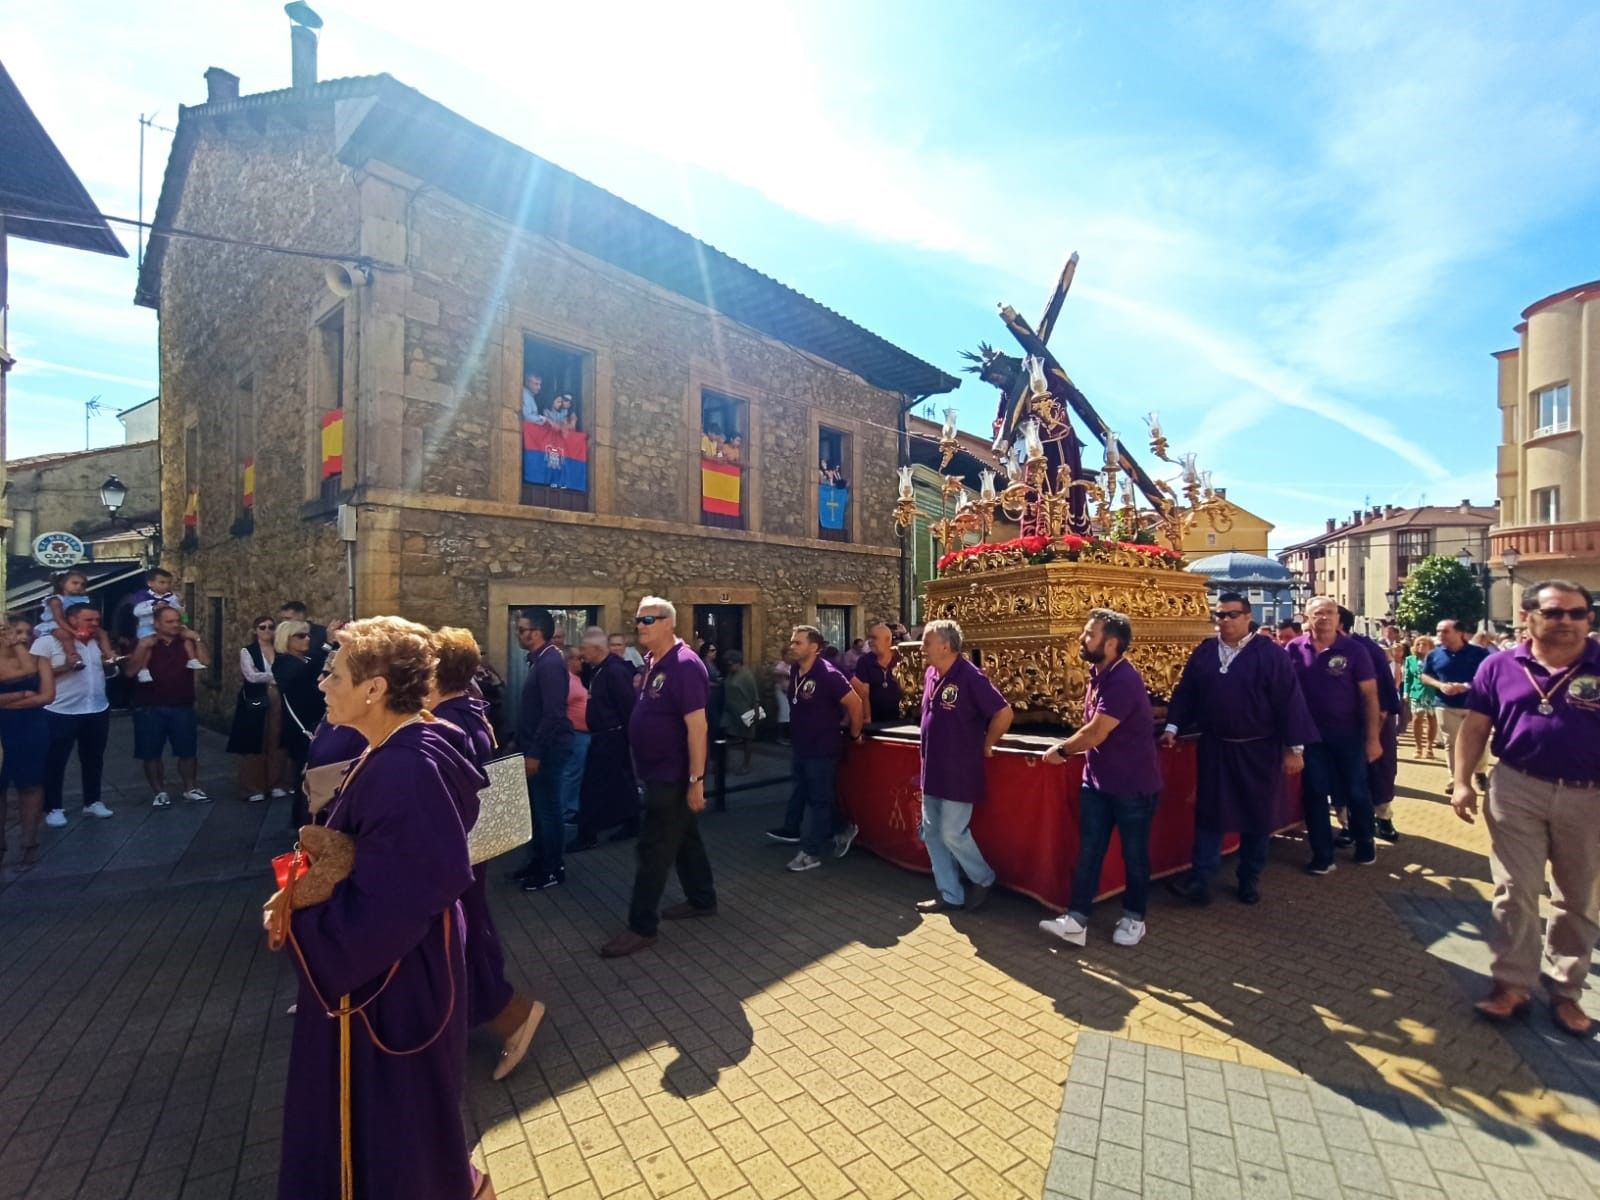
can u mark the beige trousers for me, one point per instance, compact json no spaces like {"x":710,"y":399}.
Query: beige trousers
{"x":1450,"y":720}
{"x":1532,"y":823}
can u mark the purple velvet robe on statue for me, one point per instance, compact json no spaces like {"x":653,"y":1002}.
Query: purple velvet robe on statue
{"x":488,"y":991}
{"x":1247,"y":716}
{"x":409,"y":808}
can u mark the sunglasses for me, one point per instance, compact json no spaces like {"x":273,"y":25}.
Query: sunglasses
{"x":1569,"y":614}
{"x":647,"y":620}
{"x":1220,"y":615}
{"x":266,"y":626}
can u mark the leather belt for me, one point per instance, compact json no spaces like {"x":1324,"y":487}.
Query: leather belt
{"x":1577,"y":784}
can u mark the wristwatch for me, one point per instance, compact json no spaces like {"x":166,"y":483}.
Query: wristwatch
{"x":697,"y":779}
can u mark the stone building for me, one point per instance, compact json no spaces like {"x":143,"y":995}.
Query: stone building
{"x":1548,"y":478}
{"x":352,"y":432}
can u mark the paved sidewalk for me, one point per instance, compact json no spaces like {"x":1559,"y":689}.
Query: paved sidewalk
{"x":818,"y":1038}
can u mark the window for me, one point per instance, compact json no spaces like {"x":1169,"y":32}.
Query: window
{"x":555,"y":427}
{"x":724,"y":425}
{"x":331,"y":434}
{"x":214,"y":636}
{"x":1552,"y":409}
{"x":1211,"y":539}
{"x":1545,"y":504}
{"x":191,"y":487}
{"x":570,"y":624}
{"x":244,"y":443}
{"x":833,"y":485}
{"x":834,"y":621}
{"x":719,"y":625}
{"x":1414,"y":545}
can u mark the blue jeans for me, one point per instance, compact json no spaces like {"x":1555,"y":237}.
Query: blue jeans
{"x":1337,"y":768}
{"x":572,"y":776}
{"x":544,"y":795}
{"x":814,"y":793}
{"x":1208,"y":856}
{"x":1098,"y":814}
{"x":944,"y":831}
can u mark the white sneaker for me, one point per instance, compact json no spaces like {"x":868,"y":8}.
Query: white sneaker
{"x":278,"y":793}
{"x":144,"y":676}
{"x":162,"y":800}
{"x":194,"y":664}
{"x":197,"y":795}
{"x":257,"y":797}
{"x":843,"y":840}
{"x":98,"y":809}
{"x":1067,"y":929}
{"x":1129,"y":932}
{"x":804,"y":862}
{"x":55,"y":818}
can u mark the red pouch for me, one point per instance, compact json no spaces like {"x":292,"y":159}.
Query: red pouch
{"x":296,"y":861}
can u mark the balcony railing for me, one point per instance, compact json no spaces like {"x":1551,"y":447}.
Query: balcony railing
{"x":1559,"y":425}
{"x":1562,"y":540}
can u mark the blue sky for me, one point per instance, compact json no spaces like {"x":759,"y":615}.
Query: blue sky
{"x":1302,"y":231}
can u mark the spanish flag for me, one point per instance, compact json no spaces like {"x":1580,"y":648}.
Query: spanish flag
{"x":248,"y":470}
{"x":191,"y":511}
{"x":332,"y":442}
{"x":719,"y":487}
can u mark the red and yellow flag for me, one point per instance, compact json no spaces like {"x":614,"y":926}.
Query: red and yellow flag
{"x":719,"y":487}
{"x":332,"y":442}
{"x":191,"y":511}
{"x":248,"y":472}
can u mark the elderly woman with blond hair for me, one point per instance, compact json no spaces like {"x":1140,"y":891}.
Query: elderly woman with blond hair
{"x":1423,"y":700}
{"x":491,"y":1000}
{"x":372,"y":1106}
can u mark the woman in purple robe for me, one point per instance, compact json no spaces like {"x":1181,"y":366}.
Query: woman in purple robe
{"x":389,"y":943}
{"x":491,"y":1000}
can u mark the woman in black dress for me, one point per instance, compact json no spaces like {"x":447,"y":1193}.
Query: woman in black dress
{"x":257,"y":733}
{"x":302,"y":703}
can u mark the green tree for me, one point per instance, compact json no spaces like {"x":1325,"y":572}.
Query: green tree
{"x":1439,"y":588}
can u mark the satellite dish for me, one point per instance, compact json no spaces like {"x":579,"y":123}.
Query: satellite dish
{"x":302,"y":13}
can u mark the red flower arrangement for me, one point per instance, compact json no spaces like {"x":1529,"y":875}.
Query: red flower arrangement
{"x":1068,"y":548}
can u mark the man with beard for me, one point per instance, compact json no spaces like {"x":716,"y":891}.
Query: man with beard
{"x":1242,"y":694}
{"x":1121,"y":780}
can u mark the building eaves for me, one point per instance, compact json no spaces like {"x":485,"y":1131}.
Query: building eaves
{"x":50,"y":460}
{"x":36,"y":179}
{"x":1583,"y":291}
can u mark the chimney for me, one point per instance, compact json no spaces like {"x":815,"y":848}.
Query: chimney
{"x":221,"y":86}
{"x":302,"y":56}
{"x":1332,"y":525}
{"x":1222,"y":493}
{"x":1466,"y":506}
{"x":1355,"y":517}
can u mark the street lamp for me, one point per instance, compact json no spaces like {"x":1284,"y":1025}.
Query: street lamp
{"x":1393,"y":597}
{"x":113,"y":494}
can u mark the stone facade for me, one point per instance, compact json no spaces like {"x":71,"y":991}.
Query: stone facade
{"x":432,"y":374}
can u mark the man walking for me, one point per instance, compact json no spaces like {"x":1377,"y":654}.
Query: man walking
{"x":964,"y":716}
{"x":668,"y":734}
{"x":1450,"y":669}
{"x":163,"y":704}
{"x":1541,"y":700}
{"x":1242,"y":694}
{"x":874,"y":679}
{"x":1121,"y":780}
{"x":820,"y":701}
{"x":1381,"y":772}
{"x":544,"y":735}
{"x":1341,"y":691}
{"x":609,"y":796}
{"x":79,"y":716}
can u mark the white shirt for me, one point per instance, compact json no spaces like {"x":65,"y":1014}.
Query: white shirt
{"x":247,"y":668}
{"x":78,"y":693}
{"x":1226,"y":653}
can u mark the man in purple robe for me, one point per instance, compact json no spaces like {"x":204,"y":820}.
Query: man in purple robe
{"x":609,"y":795}
{"x":1241,"y":693}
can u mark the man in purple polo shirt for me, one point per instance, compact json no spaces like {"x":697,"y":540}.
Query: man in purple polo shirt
{"x":964,"y":716}
{"x":1340,"y":688}
{"x":820,"y":702}
{"x":874,"y":678}
{"x":1542,"y":702}
{"x":667,"y":732}
{"x":1121,"y":780}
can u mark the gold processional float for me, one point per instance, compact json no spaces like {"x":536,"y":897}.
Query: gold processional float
{"x":1090,"y":538}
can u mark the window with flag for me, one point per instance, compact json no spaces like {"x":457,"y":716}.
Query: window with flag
{"x":191,"y":484}
{"x":244,"y":447}
{"x":330,"y":434}
{"x":555,"y":411}
{"x":833,"y":485}
{"x":724,"y":429}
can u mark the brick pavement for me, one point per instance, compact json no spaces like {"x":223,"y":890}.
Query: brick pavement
{"x":818,"y":1038}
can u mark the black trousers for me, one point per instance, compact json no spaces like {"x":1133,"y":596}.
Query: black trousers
{"x":88,"y":732}
{"x":669,"y":834}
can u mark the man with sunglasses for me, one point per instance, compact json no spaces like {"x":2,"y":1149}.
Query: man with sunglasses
{"x":1241,"y":694}
{"x":544,"y":735}
{"x":1541,"y":701}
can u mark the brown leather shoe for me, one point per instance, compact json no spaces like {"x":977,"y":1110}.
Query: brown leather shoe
{"x":685,"y":911}
{"x":625,"y":943}
{"x":1570,"y":1018}
{"x":936,"y":905}
{"x":1503,"y":1003}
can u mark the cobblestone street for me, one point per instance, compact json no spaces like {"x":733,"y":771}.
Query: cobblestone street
{"x":818,"y":1037}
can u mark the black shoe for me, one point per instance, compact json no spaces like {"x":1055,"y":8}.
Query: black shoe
{"x":1366,"y":855}
{"x":1386,"y":830}
{"x":539,"y":884}
{"x":526,"y":872}
{"x":626,"y":833}
{"x":1189,"y":889}
{"x":1319,"y":868}
{"x":579,"y":845}
{"x":977,"y":897}
{"x":1249,"y":894}
{"x":1342,"y":839}
{"x":780,"y":834}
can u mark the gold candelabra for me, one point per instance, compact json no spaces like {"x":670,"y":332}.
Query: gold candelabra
{"x":1204,"y":502}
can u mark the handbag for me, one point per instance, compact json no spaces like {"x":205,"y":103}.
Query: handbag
{"x":505,"y":820}
{"x":320,"y":861}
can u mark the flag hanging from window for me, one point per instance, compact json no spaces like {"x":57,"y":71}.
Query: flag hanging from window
{"x":833,"y":505}
{"x":719,"y":487}
{"x":555,"y":457}
{"x":191,"y":511}
{"x":332,"y":443}
{"x":247,"y":471}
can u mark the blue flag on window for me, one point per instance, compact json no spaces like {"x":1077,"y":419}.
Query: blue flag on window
{"x":833,"y":503}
